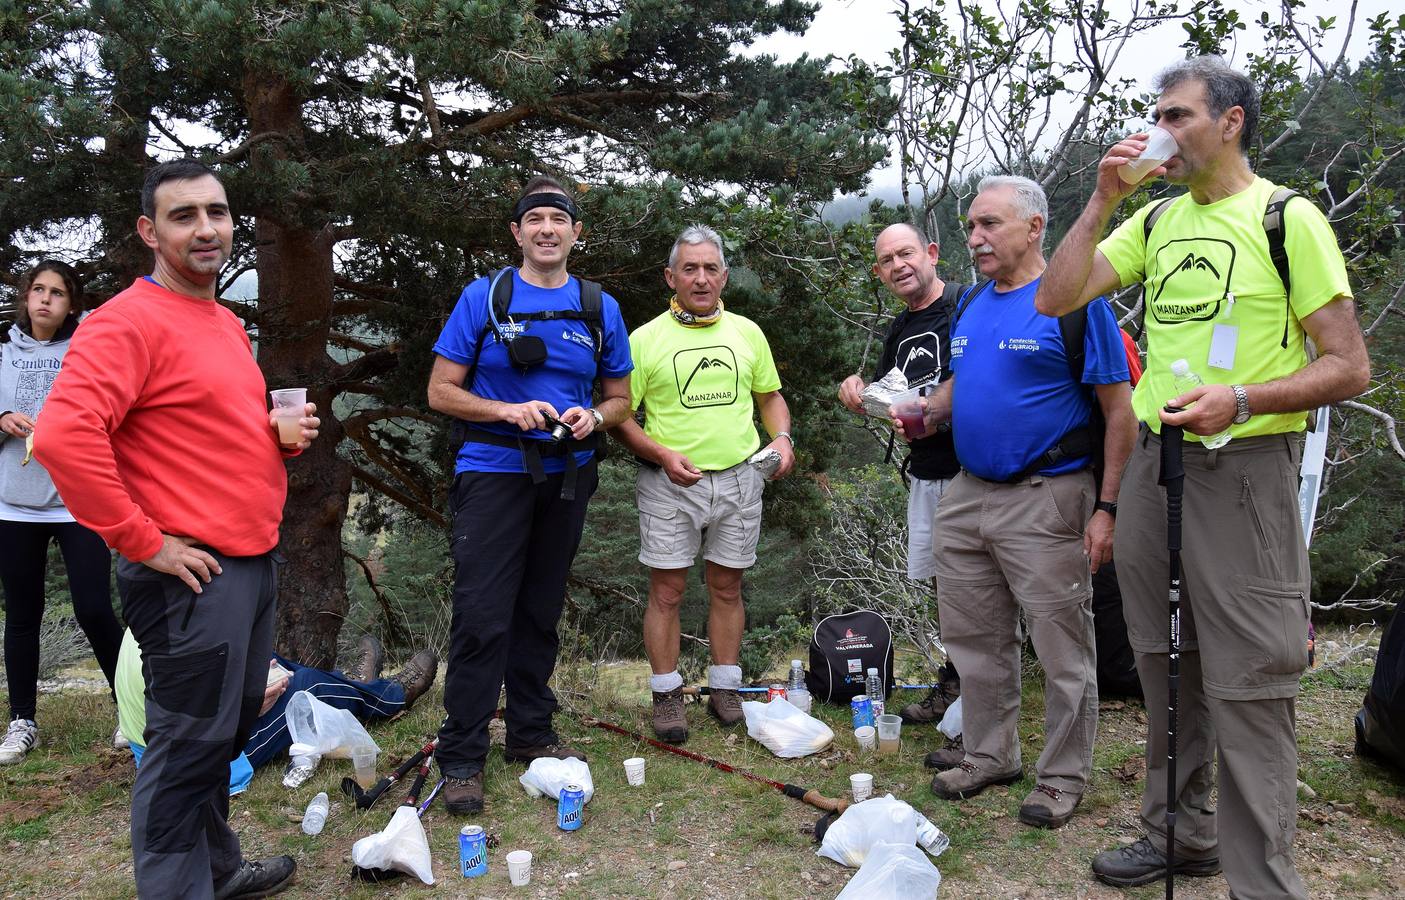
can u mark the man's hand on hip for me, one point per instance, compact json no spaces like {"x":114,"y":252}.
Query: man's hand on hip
{"x":180,"y":558}
{"x":679,"y":469}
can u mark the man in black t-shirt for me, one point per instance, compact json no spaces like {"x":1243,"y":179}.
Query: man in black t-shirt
{"x":916,"y":343}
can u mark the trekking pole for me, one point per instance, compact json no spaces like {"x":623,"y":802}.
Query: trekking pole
{"x":1173,"y":479}
{"x":812,"y":797}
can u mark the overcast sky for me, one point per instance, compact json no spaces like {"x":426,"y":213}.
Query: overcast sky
{"x":869,"y":29}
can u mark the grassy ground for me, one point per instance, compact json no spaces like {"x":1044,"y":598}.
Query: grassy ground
{"x":692,"y":831}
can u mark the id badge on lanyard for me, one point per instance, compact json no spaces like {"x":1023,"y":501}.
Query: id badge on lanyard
{"x":1224,"y":338}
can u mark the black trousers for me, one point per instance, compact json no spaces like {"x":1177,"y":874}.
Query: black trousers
{"x":513,"y":543}
{"x":205,"y":663}
{"x":24,"y":552}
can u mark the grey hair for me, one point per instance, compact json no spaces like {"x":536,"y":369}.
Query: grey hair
{"x":1224,"y":88}
{"x":694,"y":235}
{"x":1030,"y":200}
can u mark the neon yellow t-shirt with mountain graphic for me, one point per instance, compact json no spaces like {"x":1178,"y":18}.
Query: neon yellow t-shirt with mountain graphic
{"x":1201,"y":256}
{"x":695,"y":385}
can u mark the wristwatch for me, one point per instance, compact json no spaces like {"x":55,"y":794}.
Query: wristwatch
{"x":1241,"y":404}
{"x":1107,"y":506}
{"x":599,"y":418}
{"x":784,"y":434}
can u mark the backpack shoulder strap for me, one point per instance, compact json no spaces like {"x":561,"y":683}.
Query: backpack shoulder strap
{"x":1072,"y":328}
{"x":1273,"y":228}
{"x":951,"y":295}
{"x":499,"y":302}
{"x":967,"y":298}
{"x":1156,"y":212}
{"x":592,"y":311}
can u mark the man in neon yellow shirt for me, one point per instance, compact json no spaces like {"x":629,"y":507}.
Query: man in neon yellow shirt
{"x":1215,"y":299}
{"x":699,"y":375}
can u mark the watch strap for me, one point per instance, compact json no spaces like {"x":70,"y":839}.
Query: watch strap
{"x":1107,"y":506}
{"x":1241,"y":404}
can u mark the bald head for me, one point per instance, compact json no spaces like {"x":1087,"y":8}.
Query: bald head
{"x":906,"y":263}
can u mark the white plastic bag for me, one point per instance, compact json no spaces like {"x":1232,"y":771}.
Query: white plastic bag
{"x":546,"y":777}
{"x":321,"y":730}
{"x":893,"y":872}
{"x":402,"y":846}
{"x":785,"y":730}
{"x":864,"y":825}
{"x":950,"y":724}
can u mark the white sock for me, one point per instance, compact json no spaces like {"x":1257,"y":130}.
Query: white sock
{"x":727,"y":677}
{"x":662,"y":684}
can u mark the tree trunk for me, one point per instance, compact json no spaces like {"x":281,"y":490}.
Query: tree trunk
{"x":294,"y":264}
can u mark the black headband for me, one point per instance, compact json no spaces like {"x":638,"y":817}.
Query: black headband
{"x":545,"y":198}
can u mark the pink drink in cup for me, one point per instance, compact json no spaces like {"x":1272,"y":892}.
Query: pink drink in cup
{"x":288,"y":407}
{"x":907,"y":409}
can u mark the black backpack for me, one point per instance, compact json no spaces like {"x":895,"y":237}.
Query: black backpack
{"x":591,"y":313}
{"x":844,"y":647}
{"x":1380,"y":725}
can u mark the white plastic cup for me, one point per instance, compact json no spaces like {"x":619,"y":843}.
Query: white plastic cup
{"x":867,"y":736}
{"x":363,"y":760}
{"x":288,"y":406}
{"x":519,"y":867}
{"x":800,"y":699}
{"x":861,"y":786}
{"x":1160,"y":146}
{"x":634,"y":770}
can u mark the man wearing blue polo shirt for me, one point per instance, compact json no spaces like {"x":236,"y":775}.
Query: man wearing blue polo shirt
{"x":1023,"y":525}
{"x":521,"y":382}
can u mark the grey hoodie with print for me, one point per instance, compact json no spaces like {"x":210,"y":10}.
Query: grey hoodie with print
{"x":28,"y":368}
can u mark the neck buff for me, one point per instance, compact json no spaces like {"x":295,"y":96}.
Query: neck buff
{"x":693,"y":320}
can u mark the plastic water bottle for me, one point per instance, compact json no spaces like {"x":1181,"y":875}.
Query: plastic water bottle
{"x":875,"y":692}
{"x":930,"y":837}
{"x":797,"y":676}
{"x":1187,"y":380}
{"x":316,"y":815}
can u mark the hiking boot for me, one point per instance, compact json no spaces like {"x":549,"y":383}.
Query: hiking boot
{"x":725,"y":705}
{"x":1142,"y":863}
{"x":541,"y":751}
{"x":21,"y":737}
{"x":1048,"y":807}
{"x":417,"y":675}
{"x":368,"y":665}
{"x":463,"y":796}
{"x":257,"y":878}
{"x":965,"y":780}
{"x":670,"y":722}
{"x":932,"y":707}
{"x":119,"y":740}
{"x":948,"y":757}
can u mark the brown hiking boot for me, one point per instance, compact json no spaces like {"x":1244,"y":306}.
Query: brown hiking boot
{"x":725,"y":705}
{"x":463,"y":796}
{"x":932,"y":707}
{"x":417,"y":675}
{"x":368,"y":665}
{"x":670,"y":722}
{"x":541,"y":751}
{"x":1048,"y":807}
{"x":966,"y":781}
{"x":948,"y":757}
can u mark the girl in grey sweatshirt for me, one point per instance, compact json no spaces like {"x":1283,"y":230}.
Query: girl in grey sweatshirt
{"x":32,"y":514}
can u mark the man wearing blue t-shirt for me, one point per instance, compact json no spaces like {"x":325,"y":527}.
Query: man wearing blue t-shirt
{"x":521,"y":379}
{"x":1023,"y":524}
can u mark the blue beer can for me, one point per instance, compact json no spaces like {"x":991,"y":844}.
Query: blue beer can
{"x":473,"y":851}
{"x":862,"y":708}
{"x":569,"y":807}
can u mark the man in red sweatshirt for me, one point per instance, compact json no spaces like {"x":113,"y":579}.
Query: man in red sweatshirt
{"x":158,"y":438}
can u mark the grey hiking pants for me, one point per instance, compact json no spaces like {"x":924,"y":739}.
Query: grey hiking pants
{"x":1244,"y":616}
{"x":205,"y":663}
{"x":1003,"y":549}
